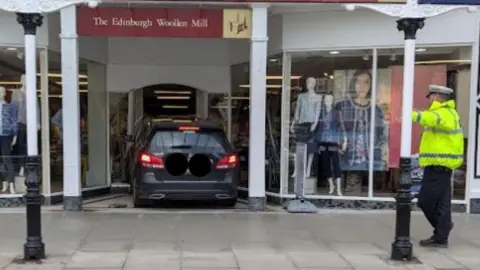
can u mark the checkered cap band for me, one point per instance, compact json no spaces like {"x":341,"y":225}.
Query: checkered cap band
{"x":439,"y":89}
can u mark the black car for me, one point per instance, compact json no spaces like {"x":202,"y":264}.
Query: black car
{"x":184,"y":161}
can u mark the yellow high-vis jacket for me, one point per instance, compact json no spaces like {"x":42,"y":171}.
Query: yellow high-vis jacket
{"x":442,"y":137}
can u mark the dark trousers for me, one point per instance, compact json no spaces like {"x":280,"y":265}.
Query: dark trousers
{"x":6,"y":158}
{"x":435,"y":198}
{"x":330,"y":160}
{"x":20,"y":148}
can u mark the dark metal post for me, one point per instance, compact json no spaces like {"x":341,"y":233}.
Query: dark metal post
{"x":34,"y":248}
{"x":402,"y":248}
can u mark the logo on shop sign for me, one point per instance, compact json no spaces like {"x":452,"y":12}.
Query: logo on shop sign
{"x":162,"y":22}
{"x":237,"y":23}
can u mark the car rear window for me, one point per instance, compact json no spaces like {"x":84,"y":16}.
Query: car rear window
{"x":209,"y":142}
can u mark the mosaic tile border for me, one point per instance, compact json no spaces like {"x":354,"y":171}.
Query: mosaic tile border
{"x":356,"y":204}
{"x":475,"y":206}
{"x":51,"y":200}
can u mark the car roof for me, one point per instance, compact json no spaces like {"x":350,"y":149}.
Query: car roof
{"x":173,"y":124}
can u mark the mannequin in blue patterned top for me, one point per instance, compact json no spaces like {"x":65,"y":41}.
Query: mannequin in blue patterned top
{"x":8,"y":137}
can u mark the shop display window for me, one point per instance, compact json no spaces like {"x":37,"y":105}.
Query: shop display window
{"x":13,"y":141}
{"x":331,"y":111}
{"x":347,"y":109}
{"x":92,"y":113}
{"x":240,"y":115}
{"x":449,"y":66}
{"x":56,"y":123}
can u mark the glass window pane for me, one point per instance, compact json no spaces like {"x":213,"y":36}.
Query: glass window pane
{"x":331,"y":112}
{"x":13,"y":142}
{"x":447,"y":66}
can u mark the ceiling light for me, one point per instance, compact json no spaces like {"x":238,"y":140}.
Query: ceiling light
{"x":173,"y":97}
{"x":237,"y":98}
{"x":393,"y":57}
{"x":331,"y":77}
{"x":222,"y":107}
{"x":277,"y":77}
{"x":174,"y":107}
{"x":59,"y":75}
{"x":182,"y":121}
{"x":325,"y":74}
{"x":434,"y":62}
{"x":268,"y":86}
{"x":420,"y":50}
{"x":79,"y":83}
{"x":273,"y":60}
{"x":11,"y":49}
{"x":334,"y":52}
{"x":366,"y":57}
{"x":172,"y":92}
{"x":10,"y":83}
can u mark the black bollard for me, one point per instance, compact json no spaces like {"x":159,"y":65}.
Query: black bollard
{"x":402,"y":249}
{"x":34,"y":248}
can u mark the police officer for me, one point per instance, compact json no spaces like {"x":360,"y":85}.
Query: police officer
{"x":441,"y":152}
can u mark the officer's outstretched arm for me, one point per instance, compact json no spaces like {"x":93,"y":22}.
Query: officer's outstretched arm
{"x":433,"y":119}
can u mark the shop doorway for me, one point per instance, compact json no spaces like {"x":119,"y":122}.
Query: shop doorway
{"x":169,"y":101}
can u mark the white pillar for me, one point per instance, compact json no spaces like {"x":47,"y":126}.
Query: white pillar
{"x":258,"y":94}
{"x":72,"y":189}
{"x":31,"y":93}
{"x":409,"y":26}
{"x":45,"y":121}
{"x":407,"y":98}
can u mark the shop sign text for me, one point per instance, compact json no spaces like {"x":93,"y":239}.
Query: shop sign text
{"x":162,"y":22}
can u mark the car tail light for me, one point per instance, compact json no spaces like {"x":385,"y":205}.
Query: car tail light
{"x":151,"y":161}
{"x":227,"y":162}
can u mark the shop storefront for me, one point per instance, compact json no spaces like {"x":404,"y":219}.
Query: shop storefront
{"x":345,"y":90}
{"x":91,"y":93}
{"x":315,"y":66}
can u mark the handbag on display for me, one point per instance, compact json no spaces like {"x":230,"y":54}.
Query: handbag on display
{"x":302,"y":133}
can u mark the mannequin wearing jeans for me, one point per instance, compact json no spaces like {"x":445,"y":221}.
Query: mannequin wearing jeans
{"x":18,"y":99}
{"x":306,"y":115}
{"x":8,"y":137}
{"x":328,"y":139}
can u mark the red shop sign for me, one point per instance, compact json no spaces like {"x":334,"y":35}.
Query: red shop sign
{"x":150,"y":22}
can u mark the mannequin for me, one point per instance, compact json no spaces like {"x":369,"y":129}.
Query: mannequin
{"x":328,"y":139}
{"x":8,"y":137}
{"x":306,"y":115}
{"x":19,"y":100}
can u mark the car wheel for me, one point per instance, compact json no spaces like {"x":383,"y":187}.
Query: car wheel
{"x":229,"y":202}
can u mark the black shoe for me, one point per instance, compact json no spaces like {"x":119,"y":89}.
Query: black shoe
{"x":431,"y":242}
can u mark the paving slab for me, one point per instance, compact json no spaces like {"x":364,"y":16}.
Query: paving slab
{"x":214,"y":240}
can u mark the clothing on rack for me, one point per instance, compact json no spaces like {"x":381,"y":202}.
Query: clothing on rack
{"x":8,"y":120}
{"x":6,"y":158}
{"x":19,"y":100}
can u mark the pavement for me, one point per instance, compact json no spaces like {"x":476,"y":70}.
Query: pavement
{"x":229,"y":239}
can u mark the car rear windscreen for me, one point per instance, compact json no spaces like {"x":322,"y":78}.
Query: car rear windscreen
{"x":206,"y":142}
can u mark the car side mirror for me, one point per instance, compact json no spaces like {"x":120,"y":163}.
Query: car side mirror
{"x":129,"y":138}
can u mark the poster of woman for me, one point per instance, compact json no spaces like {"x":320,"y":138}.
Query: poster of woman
{"x":354,"y":90}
